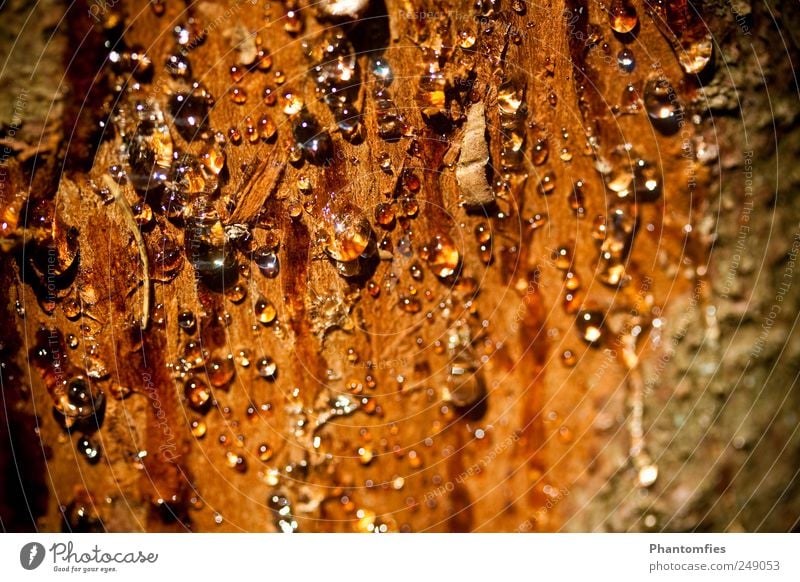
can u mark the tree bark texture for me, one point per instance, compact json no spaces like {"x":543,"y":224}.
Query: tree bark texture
{"x":523,"y":389}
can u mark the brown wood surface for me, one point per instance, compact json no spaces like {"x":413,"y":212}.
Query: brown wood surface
{"x":551,"y":446}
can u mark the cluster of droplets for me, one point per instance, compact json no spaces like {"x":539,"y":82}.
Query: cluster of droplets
{"x":632,"y":178}
{"x":391,"y":125}
{"x":483,"y":236}
{"x":432,"y":85}
{"x":282,"y":514}
{"x":447,"y":85}
{"x":336,"y":75}
{"x":182,"y":179}
{"x":614,"y":234}
{"x":563,"y":258}
{"x":183,"y":175}
{"x":78,"y":403}
{"x":512,"y":113}
{"x":204,"y":376}
{"x":190,"y":181}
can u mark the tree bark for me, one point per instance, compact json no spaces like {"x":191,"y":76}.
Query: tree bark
{"x":407,"y":397}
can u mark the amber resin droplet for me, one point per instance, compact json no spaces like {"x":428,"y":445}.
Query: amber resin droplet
{"x":238,"y":95}
{"x":264,"y":452}
{"x":220,"y":372}
{"x":547,"y":184}
{"x":312,"y":140}
{"x":622,"y":16}
{"x":589,"y":324}
{"x":267,"y":129}
{"x":441,"y":255}
{"x":686,"y":31}
{"x":541,"y":150}
{"x":568,"y":358}
{"x":384,"y":214}
{"x":465,"y":386}
{"x":410,"y":304}
{"x":662,"y":105}
{"x":198,"y":428}
{"x":267,"y":368}
{"x":265,"y":310}
{"x":198,"y":394}
{"x":348,"y":233}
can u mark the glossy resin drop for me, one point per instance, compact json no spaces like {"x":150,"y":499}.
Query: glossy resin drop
{"x":312,"y":140}
{"x":207,"y":249}
{"x":190,"y":111}
{"x":662,"y":105}
{"x":589,"y":324}
{"x":622,"y":16}
{"x":442,"y":255}
{"x":465,"y":386}
{"x":348,"y":234}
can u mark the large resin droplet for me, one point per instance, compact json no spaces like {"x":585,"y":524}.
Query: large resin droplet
{"x":662,"y":105}
{"x":220,"y":372}
{"x":149,"y":153}
{"x":348,"y":234}
{"x":167,"y":258}
{"x":622,"y":16}
{"x":618,"y":232}
{"x":267,"y":261}
{"x":510,"y":95}
{"x":56,"y":252}
{"x":191,"y":178}
{"x":197,"y":393}
{"x":190,"y":110}
{"x":686,"y":30}
{"x":207,"y":249}
{"x":265,"y":310}
{"x":83,"y":407}
{"x":313,"y":141}
{"x":441,"y":255}
{"x":590,"y":326}
{"x":267,"y":368}
{"x":465,"y":386}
